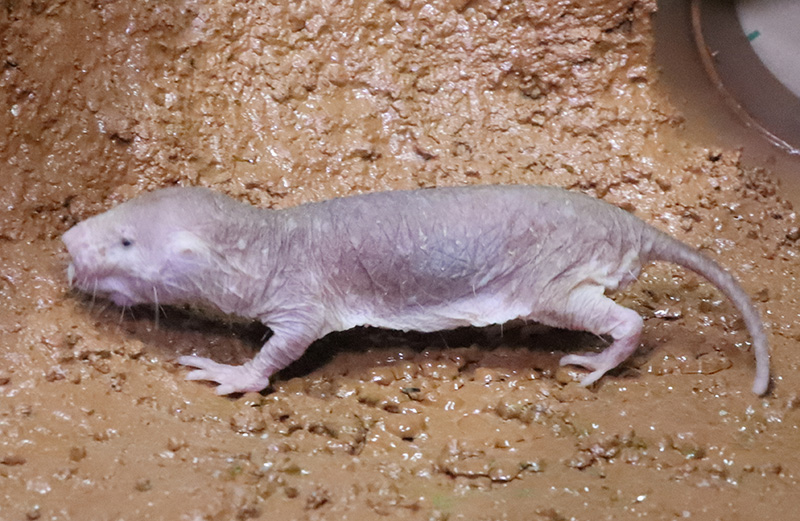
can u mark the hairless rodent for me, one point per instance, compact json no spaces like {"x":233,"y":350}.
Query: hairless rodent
{"x":422,"y":260}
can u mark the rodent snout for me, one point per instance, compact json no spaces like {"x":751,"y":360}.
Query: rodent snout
{"x":79,"y":247}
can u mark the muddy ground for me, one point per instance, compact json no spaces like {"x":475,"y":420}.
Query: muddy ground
{"x":279,"y":103}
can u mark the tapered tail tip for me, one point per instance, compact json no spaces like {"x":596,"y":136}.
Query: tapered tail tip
{"x":761,"y":382}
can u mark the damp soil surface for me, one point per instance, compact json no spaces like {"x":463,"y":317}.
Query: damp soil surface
{"x":279,"y":103}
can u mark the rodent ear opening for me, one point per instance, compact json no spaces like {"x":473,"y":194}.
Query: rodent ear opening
{"x":187,"y":244}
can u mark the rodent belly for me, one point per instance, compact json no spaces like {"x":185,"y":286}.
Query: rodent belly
{"x":477,"y":311}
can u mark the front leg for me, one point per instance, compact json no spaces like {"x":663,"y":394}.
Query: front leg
{"x":290,"y":338}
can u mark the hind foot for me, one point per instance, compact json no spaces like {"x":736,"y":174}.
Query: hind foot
{"x":592,"y":361}
{"x":231,"y":378}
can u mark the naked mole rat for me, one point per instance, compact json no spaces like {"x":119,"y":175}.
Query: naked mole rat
{"x":420,"y":260}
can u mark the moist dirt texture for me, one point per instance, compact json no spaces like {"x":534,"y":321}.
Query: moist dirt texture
{"x":279,"y":103}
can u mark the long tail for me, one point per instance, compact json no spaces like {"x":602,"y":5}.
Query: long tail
{"x":671,"y":250}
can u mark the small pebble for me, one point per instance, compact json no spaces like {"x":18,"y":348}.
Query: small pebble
{"x":143,"y":485}
{"x":175,"y":444}
{"x":77,"y":453}
{"x":248,"y":421}
{"x":13,"y":460}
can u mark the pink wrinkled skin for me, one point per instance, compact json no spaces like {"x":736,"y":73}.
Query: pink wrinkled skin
{"x":422,"y":260}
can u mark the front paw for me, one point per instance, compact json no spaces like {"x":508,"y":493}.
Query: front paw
{"x":231,"y":378}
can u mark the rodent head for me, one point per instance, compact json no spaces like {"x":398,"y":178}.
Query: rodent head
{"x":145,"y":250}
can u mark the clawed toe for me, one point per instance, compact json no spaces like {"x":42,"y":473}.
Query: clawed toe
{"x":223,"y":390}
{"x":231,"y":378}
{"x":198,"y":375}
{"x":592,"y":361}
{"x":587,"y":360}
{"x":592,"y":377}
{"x":199,"y":362}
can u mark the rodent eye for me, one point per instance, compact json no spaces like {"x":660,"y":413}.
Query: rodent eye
{"x":127,"y":242}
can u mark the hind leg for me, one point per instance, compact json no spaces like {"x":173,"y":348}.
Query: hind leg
{"x":590,"y":310}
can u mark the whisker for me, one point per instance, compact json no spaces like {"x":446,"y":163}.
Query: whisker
{"x":103,"y":309}
{"x":94,"y":294}
{"x":156,"y":306}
